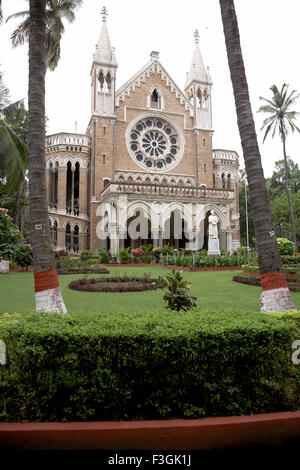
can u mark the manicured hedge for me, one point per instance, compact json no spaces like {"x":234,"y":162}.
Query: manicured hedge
{"x":169,"y":364}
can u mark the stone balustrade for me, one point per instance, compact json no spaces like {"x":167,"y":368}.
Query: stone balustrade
{"x":160,"y":190}
{"x":220,"y":154}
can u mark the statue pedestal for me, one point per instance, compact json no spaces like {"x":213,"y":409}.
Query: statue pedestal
{"x":213,"y":247}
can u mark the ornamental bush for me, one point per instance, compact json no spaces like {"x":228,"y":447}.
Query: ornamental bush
{"x":178,"y":296}
{"x":23,"y":256}
{"x":88,"y":367}
{"x":285,"y":246}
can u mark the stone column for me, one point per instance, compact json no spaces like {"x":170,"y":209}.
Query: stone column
{"x":62,"y":188}
{"x":53,"y":186}
{"x":223,"y":240}
{"x":83,"y":177}
{"x":155,"y":238}
{"x":61,"y":239}
{"x":229,"y":241}
{"x":114,"y":239}
{"x":48,"y":178}
{"x":82,"y":241}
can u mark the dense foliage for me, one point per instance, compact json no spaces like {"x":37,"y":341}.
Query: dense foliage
{"x":105,"y":366}
{"x":285,"y":246}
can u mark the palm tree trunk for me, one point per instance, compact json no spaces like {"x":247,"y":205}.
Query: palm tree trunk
{"x":47,"y":292}
{"x":17,"y":208}
{"x":275,"y":295}
{"x":288,"y":193}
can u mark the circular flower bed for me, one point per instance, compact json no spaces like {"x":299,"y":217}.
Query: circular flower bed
{"x":115,"y":284}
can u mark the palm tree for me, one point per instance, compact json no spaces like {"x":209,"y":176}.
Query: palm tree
{"x":13,"y":145}
{"x":47,"y":291}
{"x":281,"y":118}
{"x":275,"y":295}
{"x":56,"y":11}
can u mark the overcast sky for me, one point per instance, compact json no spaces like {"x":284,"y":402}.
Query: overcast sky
{"x":270,"y":37}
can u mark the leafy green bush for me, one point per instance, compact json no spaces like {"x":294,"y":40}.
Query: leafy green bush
{"x":124,"y":256}
{"x":23,"y":256}
{"x":92,"y":366}
{"x":178,"y":296}
{"x":9,"y":236}
{"x":285,"y":246}
{"x":103,"y":255}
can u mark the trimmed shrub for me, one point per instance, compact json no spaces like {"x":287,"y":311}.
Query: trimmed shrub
{"x":89,"y":367}
{"x":103,"y":255}
{"x":124,"y":256}
{"x":290,"y":260}
{"x":285,"y":246}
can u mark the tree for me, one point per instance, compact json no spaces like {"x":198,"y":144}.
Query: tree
{"x":13,"y":147}
{"x":56,"y":11}
{"x":281,"y":215}
{"x":282,"y":119}
{"x":275,"y":295}
{"x":277,"y":182}
{"x":47,"y":291}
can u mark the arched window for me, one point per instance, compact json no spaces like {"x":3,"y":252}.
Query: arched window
{"x":76,"y":189}
{"x":214,"y":181}
{"x":154,"y":96}
{"x":68,"y":237}
{"x":228,"y":181}
{"x":76,"y":239}
{"x":55,"y":233}
{"x":106,"y":182}
{"x":223,"y":181}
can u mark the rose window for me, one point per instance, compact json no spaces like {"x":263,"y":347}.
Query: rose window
{"x":154,"y":143}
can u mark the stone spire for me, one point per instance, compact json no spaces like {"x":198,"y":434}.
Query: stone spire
{"x":104,"y":53}
{"x":197,"y":71}
{"x":103,"y":73}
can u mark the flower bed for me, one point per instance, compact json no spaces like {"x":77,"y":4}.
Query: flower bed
{"x":115,"y":284}
{"x":252,"y":279}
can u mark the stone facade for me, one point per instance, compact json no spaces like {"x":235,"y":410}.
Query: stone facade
{"x":147,"y":153}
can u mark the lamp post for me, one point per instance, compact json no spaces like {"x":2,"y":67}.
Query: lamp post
{"x":247,"y":223}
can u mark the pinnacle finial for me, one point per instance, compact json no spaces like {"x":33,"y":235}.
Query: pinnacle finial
{"x":104,"y":14}
{"x":196,"y":36}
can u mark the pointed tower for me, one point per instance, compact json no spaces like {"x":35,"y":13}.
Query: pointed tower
{"x":103,"y":74}
{"x":198,"y":89}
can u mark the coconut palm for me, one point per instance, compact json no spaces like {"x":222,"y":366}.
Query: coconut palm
{"x":47,"y":292}
{"x":56,"y":11}
{"x":275,"y":295}
{"x":281,"y":119}
{"x":13,"y":146}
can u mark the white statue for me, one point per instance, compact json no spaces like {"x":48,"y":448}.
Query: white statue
{"x":213,"y":225}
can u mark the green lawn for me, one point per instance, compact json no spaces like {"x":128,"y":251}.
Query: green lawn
{"x":215,"y":291}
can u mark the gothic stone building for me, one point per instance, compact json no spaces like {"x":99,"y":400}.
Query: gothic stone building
{"x":147,"y":150}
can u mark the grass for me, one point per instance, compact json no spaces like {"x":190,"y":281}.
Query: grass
{"x":215,"y":291}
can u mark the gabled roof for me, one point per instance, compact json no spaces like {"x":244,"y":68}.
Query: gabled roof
{"x":153,"y":66}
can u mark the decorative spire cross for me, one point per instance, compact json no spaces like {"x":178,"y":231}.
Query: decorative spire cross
{"x":196,"y":36}
{"x":104,"y":14}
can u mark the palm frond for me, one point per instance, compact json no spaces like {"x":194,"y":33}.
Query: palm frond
{"x":20,"y":34}
{"x":18,"y":15}
{"x":13,"y":157}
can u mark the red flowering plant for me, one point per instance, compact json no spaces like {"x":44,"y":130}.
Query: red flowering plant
{"x":137,"y":254}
